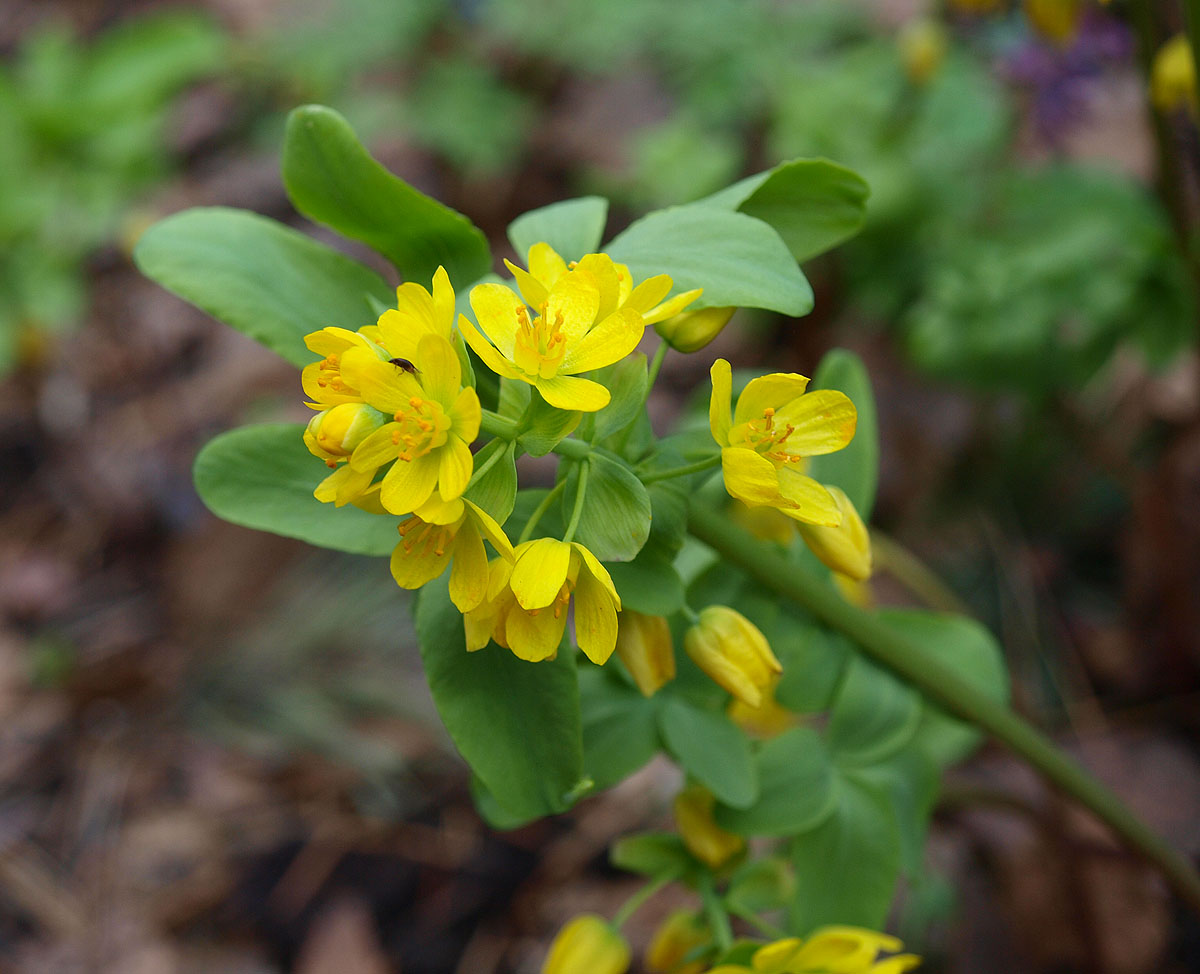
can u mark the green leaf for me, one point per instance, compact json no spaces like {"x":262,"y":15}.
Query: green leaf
{"x":874,"y":715}
{"x":620,"y":732}
{"x":910,"y":779}
{"x":514,"y":398}
{"x":761,"y":885}
{"x":332,"y":179}
{"x":263,"y":477}
{"x":796,"y":788}
{"x":260,"y":277}
{"x":649,"y":584}
{"x":738,"y":260}
{"x":848,"y":866}
{"x":627,"y":380}
{"x":814,"y":659}
{"x":517,"y":724}
{"x":813,"y":204}
{"x":546,"y":425}
{"x":495,"y":814}
{"x":571,"y":227}
{"x":710,"y":748}
{"x":615,"y":521}
{"x":652,"y":854}
{"x":496,"y":490}
{"x":856,"y":467}
{"x":969,"y":650}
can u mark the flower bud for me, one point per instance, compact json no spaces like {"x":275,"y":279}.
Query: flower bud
{"x":922,"y":45}
{"x":733,"y":652}
{"x":335,"y":432}
{"x":847,"y":548}
{"x":677,"y":936}
{"x":645,"y":647}
{"x":692,"y":330}
{"x":704,"y":839}
{"x":769,"y":719}
{"x":1056,"y":20}
{"x":1173,"y":77}
{"x":587,"y":943}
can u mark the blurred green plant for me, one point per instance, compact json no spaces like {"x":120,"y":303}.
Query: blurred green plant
{"x":82,"y":135}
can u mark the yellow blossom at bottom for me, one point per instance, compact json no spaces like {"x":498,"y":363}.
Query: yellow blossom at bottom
{"x":676,"y":937}
{"x":588,"y":944}
{"x":645,"y":647}
{"x":704,"y":839}
{"x":830,"y":950}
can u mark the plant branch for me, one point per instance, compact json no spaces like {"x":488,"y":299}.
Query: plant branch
{"x":942,"y":686}
{"x":541,"y":509}
{"x":585,"y":466}
{"x":698,"y":467}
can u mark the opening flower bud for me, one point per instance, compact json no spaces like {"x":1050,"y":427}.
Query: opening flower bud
{"x":645,"y":647}
{"x":733,"y":652}
{"x":676,"y":937}
{"x":847,"y":548}
{"x":704,"y":839}
{"x":1173,"y":77}
{"x":335,"y":432}
{"x":692,"y":330}
{"x":587,"y":943}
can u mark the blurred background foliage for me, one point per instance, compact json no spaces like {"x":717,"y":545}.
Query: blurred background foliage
{"x":1024,"y":292}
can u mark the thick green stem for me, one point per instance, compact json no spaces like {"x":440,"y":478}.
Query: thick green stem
{"x":581,"y":492}
{"x":909,"y":661}
{"x":714,"y":910}
{"x":540,"y":510}
{"x":655,"y":366}
{"x":493,"y":424}
{"x":488,"y":464}
{"x":635,"y":902}
{"x":698,"y":467}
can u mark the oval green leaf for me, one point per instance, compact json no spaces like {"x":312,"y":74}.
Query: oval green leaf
{"x":571,"y":227}
{"x":615,"y":521}
{"x":710,"y":748}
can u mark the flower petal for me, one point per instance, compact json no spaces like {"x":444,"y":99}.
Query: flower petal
{"x":574,"y":303}
{"x":775,"y":391}
{"x":540,"y":572}
{"x":437,"y":511}
{"x":545,"y":264}
{"x":599,"y":271}
{"x":496,"y":309}
{"x":669,"y":309}
{"x":598,"y":572}
{"x":408,"y":484}
{"x":380,"y":383}
{"x":825,"y":421}
{"x":750,"y":478}
{"x":719,"y":417}
{"x":649,"y":293}
{"x":809,"y":501}
{"x":532,"y":290}
{"x":443,"y":303}
{"x":455,"y":465}
{"x":376,"y":450}
{"x":572,"y":392}
{"x":343,"y":485}
{"x":421,"y":562}
{"x":534,"y":636}
{"x":469,"y":573}
{"x":610,"y":341}
{"x":441,"y":373}
{"x":595,"y":618}
{"x":486,"y":350}
{"x":491,"y":530}
{"x":466,"y":415}
{"x":331,"y":340}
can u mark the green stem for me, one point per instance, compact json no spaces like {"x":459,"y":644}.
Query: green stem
{"x":655,"y":366}
{"x":488,"y":464}
{"x":908,"y":660}
{"x":493,"y":424}
{"x":571,"y":449}
{"x":635,"y":902}
{"x":698,"y":467}
{"x":541,"y":509}
{"x":758,"y":923}
{"x":714,"y":909}
{"x":580,"y":493}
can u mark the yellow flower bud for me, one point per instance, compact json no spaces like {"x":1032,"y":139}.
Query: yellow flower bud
{"x":847,"y":548}
{"x":1056,"y":20}
{"x":335,"y":432}
{"x":769,"y":719}
{"x":733,"y":652}
{"x":692,"y":330}
{"x":588,"y":943}
{"x":704,"y":839}
{"x":677,"y":936}
{"x":922,"y":45}
{"x":645,"y":647}
{"x":767,"y":523}
{"x":1173,"y":77}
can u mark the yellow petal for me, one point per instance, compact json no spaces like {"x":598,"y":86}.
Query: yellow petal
{"x":572,"y":392}
{"x":441,"y":373}
{"x":808,"y":500}
{"x":499,"y":573}
{"x":649,"y":293}
{"x":599,"y":572}
{"x":595,"y":619}
{"x":719,"y":417}
{"x":408,"y":484}
{"x":672,"y":307}
{"x":466,"y":415}
{"x":437,"y":511}
{"x":422,"y":562}
{"x":376,"y":450}
{"x":497,"y":309}
{"x":343,"y":485}
{"x":443,"y":303}
{"x":486,"y":351}
{"x":469,"y":573}
{"x":331,"y":341}
{"x":400,"y":333}
{"x":455,"y":465}
{"x":540,"y":571}
{"x":825,"y":421}
{"x":545,"y":264}
{"x":777,"y":956}
{"x":610,"y":341}
{"x":750,"y":478}
{"x":574,"y":304}
{"x":532,"y":290}
{"x":599,"y":271}
{"x":775,"y":391}
{"x":380,"y":383}
{"x":534,"y":636}
{"x":491,"y":530}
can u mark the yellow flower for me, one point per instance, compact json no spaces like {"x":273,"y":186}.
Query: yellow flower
{"x":830,"y":950}
{"x":922,"y":44}
{"x":333,"y":433}
{"x":676,"y":937}
{"x":1056,"y":20}
{"x":704,"y":839}
{"x":1173,"y":77}
{"x":769,"y":719}
{"x":433,"y":420}
{"x":645,"y":647}
{"x":733,"y":652}
{"x":526,"y":605}
{"x":588,"y":944}
{"x":764,"y":443}
{"x":692,"y":330}
{"x":449,"y":532}
{"x":846,"y":548}
{"x":587,"y":318}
